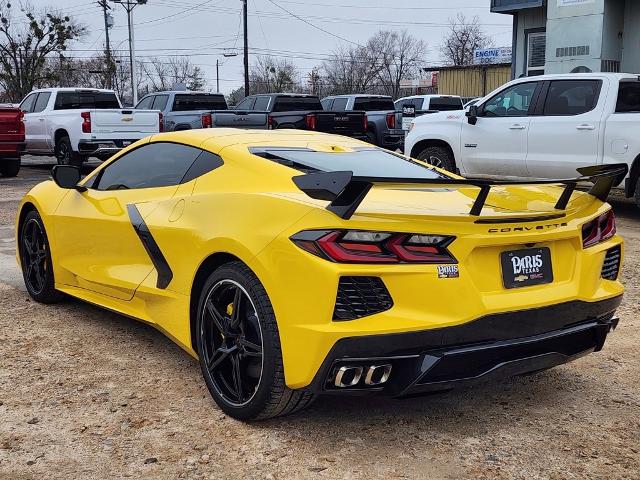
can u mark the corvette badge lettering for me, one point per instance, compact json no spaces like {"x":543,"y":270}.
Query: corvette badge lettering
{"x":527,"y":228}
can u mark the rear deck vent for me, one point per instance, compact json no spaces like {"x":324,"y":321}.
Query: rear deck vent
{"x":360,"y":296}
{"x":611,"y":265}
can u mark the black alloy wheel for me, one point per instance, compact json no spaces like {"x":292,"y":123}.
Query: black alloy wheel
{"x":35,"y":259}
{"x":232,"y":350}
{"x":238,"y":345}
{"x":34,"y":256}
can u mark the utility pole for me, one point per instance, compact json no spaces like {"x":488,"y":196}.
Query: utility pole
{"x":105,"y":7}
{"x":129,"y":5}
{"x":217,"y":76}
{"x":246,"y":49}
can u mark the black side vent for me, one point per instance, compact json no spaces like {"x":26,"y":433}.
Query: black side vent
{"x":360,"y":296}
{"x":611,"y":265}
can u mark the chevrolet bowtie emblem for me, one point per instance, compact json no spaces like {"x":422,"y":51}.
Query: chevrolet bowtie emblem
{"x":127,"y":119}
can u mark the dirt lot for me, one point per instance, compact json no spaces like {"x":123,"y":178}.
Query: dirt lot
{"x":90,"y":394}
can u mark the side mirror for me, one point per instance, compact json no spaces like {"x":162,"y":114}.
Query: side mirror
{"x":472,"y":114}
{"x":67,"y":176}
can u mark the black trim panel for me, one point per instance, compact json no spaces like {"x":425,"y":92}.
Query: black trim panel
{"x":165,"y":275}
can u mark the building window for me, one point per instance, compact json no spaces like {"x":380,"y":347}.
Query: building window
{"x":536,"y":46}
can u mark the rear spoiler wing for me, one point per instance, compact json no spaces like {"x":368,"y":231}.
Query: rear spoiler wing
{"x":345,"y":191}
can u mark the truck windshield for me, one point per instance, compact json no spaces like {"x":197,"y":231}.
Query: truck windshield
{"x":445,"y":104}
{"x":187,"y":102}
{"x":90,"y":100}
{"x":370,"y":104}
{"x":366,"y":162}
{"x":296,"y":104}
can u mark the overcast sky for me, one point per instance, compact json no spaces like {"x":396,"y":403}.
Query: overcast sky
{"x":204,"y":30}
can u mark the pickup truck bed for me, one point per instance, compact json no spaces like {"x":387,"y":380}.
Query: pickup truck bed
{"x":11,"y":140}
{"x":303,"y":112}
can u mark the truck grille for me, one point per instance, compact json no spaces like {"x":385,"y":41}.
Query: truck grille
{"x":360,"y":296}
{"x":611,"y":265}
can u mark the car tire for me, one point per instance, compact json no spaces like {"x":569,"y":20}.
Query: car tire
{"x":65,"y":154}
{"x":438,"y":157}
{"x":636,"y":193}
{"x":9,"y":167}
{"x":238,"y":345}
{"x":35,"y":260}
{"x":371,"y":138}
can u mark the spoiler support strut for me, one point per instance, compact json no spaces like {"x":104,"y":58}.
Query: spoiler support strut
{"x":345,"y":192}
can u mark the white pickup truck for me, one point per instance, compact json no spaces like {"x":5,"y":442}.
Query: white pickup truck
{"x":539,"y":127}
{"x":77,"y":123}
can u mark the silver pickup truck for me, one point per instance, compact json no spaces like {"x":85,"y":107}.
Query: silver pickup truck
{"x":184,"y":110}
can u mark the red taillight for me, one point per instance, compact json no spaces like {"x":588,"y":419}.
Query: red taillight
{"x":365,"y":122}
{"x":599,"y":229}
{"x":354,"y":246}
{"x":206,"y":120}
{"x":269,"y":122}
{"x":86,"y":122}
{"x":391,"y":120}
{"x":312,"y":121}
{"x":160,"y":122}
{"x":21,"y":123}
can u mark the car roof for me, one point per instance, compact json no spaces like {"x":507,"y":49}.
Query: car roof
{"x":216,"y":139}
{"x":429,"y":96}
{"x":186,"y":92}
{"x":358,"y":95}
{"x":73,"y":89}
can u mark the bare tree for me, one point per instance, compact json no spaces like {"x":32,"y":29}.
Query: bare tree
{"x":26,"y":44}
{"x":401,"y":55}
{"x":464,"y":37}
{"x":353,"y":69}
{"x":270,"y":75}
{"x":164,"y":74}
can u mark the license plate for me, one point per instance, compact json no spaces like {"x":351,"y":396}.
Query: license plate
{"x":522,"y":268}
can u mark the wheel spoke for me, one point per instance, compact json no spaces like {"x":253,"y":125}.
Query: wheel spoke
{"x":236,"y":312}
{"x":219,"y":355}
{"x":237,"y":377}
{"x":251,"y":349}
{"x":39,"y":277}
{"x":27,"y":245}
{"x":218,"y":319}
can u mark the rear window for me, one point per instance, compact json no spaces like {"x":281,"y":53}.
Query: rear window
{"x":373,"y":103}
{"x":571,"y":97}
{"x":628,"y":98}
{"x":188,"y":102}
{"x":367,"y":162}
{"x":90,"y":100}
{"x":416,"y":102}
{"x":445,"y":104}
{"x":296,"y":104}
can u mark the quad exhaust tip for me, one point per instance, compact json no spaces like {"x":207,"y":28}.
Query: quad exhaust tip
{"x":350,"y":375}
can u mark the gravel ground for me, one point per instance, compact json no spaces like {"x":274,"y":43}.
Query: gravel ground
{"x":85,"y":393}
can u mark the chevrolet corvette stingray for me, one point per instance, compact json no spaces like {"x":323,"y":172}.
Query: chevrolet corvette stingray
{"x":293,"y":263}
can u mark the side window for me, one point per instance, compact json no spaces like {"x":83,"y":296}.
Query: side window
{"x":27,"y":104}
{"x":327,"y":104}
{"x":152,"y":165}
{"x":511,"y":102}
{"x":42,"y":101}
{"x":262,"y":103}
{"x":571,"y":97}
{"x":339,"y":104}
{"x":628,"y":97}
{"x":160,"y":102}
{"x":145,"y":103}
{"x":246,"y":104}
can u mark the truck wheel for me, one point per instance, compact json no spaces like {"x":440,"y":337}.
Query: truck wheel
{"x":637,"y":192}
{"x":438,"y":157}
{"x":9,"y":167}
{"x":371,"y":138}
{"x":65,"y":154}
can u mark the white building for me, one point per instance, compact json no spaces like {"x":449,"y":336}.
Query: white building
{"x":564,"y":36}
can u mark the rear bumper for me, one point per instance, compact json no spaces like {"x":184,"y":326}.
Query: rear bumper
{"x":494,"y":346}
{"x":11,"y":148}
{"x":103,"y":147}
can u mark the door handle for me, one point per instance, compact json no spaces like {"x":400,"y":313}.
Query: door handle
{"x":517,"y":126}
{"x":41,"y":119}
{"x":585,"y":126}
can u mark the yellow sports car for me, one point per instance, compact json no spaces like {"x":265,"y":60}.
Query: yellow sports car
{"x":293,"y":263}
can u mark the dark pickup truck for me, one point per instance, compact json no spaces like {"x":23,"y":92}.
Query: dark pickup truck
{"x":290,"y":110}
{"x":384,"y":123}
{"x":11,"y":140}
